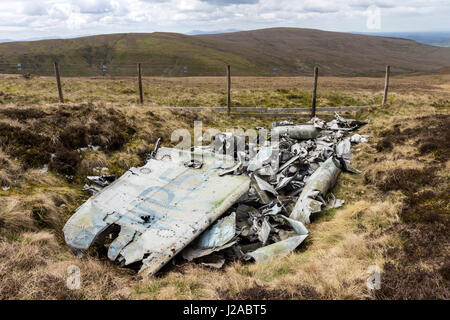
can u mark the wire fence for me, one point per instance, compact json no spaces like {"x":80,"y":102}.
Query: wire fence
{"x":135,"y":70}
{"x":130,"y":69}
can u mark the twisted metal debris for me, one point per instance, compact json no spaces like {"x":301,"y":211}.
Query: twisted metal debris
{"x":290,"y":179}
{"x":237,"y":198}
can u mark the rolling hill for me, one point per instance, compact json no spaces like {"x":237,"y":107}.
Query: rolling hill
{"x":275,"y":51}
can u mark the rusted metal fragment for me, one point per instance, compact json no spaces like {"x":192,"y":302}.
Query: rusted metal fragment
{"x":323,"y":179}
{"x":159,"y":208}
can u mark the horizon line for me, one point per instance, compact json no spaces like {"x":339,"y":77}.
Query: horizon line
{"x":207,"y":32}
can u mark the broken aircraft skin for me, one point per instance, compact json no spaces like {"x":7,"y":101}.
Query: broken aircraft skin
{"x":317,"y":186}
{"x":267,"y":223}
{"x":212,"y":207}
{"x":156,"y":209}
{"x":299,"y":132}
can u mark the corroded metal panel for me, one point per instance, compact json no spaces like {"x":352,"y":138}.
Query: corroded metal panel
{"x":159,"y":208}
{"x":317,"y":186}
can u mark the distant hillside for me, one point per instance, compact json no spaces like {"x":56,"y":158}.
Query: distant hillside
{"x":279,"y":51}
{"x":435,"y":38}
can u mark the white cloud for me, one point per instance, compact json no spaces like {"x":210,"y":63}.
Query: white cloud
{"x":34,"y":9}
{"x":32,"y":18}
{"x":61,"y":11}
{"x":95,"y":6}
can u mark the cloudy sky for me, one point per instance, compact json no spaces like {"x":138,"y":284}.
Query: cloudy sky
{"x":24,"y":19}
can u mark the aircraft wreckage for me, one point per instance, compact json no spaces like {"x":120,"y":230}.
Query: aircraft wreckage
{"x":217,"y":203}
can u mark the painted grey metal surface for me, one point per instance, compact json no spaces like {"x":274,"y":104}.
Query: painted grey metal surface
{"x":210,"y":207}
{"x":322,"y":180}
{"x":300,"y":132}
{"x":277,"y":249}
{"x":159,"y":208}
{"x":307,"y":166}
{"x":215,"y":238}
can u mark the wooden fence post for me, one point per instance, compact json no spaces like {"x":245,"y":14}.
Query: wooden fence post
{"x":386,"y":84}
{"x":58,"y":82}
{"x":141,"y":95}
{"x":229,"y":89}
{"x":314,"y":94}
